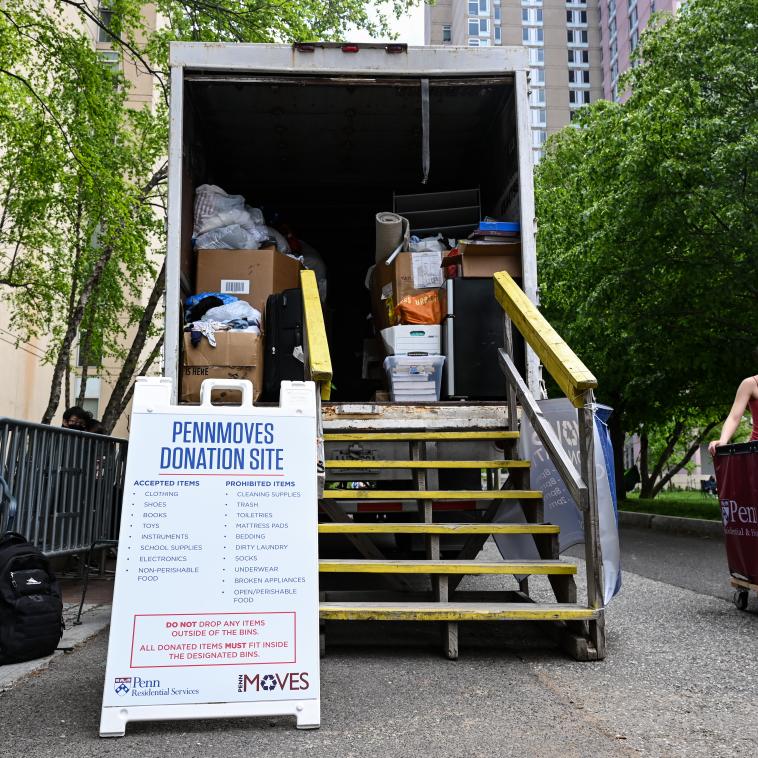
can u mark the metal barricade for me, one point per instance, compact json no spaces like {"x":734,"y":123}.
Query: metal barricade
{"x":68,"y":484}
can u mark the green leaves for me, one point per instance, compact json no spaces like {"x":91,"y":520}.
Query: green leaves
{"x":648,"y":253}
{"x":82,"y":168}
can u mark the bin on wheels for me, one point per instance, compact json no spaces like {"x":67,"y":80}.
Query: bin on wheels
{"x":737,"y":481}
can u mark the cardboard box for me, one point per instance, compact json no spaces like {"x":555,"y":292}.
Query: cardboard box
{"x":390,"y":284}
{"x":237,"y":355}
{"x":487,"y":258}
{"x":250,"y":275}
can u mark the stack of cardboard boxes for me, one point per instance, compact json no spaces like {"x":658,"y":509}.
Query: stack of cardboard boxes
{"x":249,"y":275}
{"x":408,"y":303}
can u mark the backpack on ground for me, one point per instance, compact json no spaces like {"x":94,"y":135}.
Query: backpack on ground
{"x":31,"y":608}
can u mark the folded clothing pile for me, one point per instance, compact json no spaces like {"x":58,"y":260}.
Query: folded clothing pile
{"x":222,"y":340}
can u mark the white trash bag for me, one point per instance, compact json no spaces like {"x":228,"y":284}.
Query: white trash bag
{"x":233,"y":237}
{"x":215,"y":209}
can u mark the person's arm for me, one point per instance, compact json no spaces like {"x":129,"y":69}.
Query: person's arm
{"x":744,"y":391}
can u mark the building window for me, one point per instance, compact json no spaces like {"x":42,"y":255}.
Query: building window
{"x":473,"y":26}
{"x":614,"y":71}
{"x":538,"y":96}
{"x":447,"y":33}
{"x":578,"y":57}
{"x":579,"y":77}
{"x":105,"y":15}
{"x":536,"y":55}
{"x":578,"y":97}
{"x":497,"y":13}
{"x":539,"y":75}
{"x":634,"y":39}
{"x":473,"y":7}
{"x":577,"y":18}
{"x":612,"y":27}
{"x":539,"y":116}
{"x":633,"y":17}
{"x":473,"y":43}
{"x":110,"y":59}
{"x":614,"y":49}
{"x":498,"y":36}
{"x":576,"y":37}
{"x":484,"y":26}
{"x":484,"y":7}
{"x":484,"y":43}
{"x":531,"y":15}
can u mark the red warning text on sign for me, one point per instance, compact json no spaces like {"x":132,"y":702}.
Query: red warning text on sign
{"x":213,"y":639}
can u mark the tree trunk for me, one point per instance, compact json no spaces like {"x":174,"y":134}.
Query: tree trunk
{"x":646,"y":488}
{"x":618,"y":438}
{"x":679,"y":465}
{"x":61,"y":363}
{"x":154,"y":353}
{"x":118,"y":400}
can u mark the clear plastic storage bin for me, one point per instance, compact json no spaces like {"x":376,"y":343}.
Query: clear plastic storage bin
{"x":414,"y":378}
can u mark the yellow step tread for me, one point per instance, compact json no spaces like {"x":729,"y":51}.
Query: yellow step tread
{"x":432,"y":495}
{"x":448,"y":528}
{"x":455,"y":612}
{"x":368,"y":566}
{"x":431,"y":436}
{"x":427,"y":464}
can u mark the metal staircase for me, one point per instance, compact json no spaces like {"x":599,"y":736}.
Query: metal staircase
{"x":399,"y":524}
{"x":441,"y":600}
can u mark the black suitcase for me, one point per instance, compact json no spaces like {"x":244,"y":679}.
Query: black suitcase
{"x":283,"y":326}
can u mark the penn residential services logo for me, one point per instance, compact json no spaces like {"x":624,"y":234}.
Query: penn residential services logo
{"x":122,"y":685}
{"x":739,"y":515}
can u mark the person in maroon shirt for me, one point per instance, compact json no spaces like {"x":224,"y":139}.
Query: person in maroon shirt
{"x":747,"y":397}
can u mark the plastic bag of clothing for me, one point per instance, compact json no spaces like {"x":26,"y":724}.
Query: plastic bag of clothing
{"x":281,"y":242}
{"x":239,"y":310}
{"x":215,"y":209}
{"x":232,"y":237}
{"x":428,"y":244}
{"x":256,"y":215}
{"x":197,"y":305}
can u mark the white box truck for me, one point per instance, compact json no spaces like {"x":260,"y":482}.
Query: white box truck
{"x":324,"y":137}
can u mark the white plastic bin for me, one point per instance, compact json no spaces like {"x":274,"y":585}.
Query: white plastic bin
{"x":414,"y":378}
{"x":401,"y":340}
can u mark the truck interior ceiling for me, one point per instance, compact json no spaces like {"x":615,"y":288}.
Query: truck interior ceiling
{"x":324,"y":155}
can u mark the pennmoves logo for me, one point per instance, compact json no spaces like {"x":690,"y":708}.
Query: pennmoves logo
{"x":290,"y":682}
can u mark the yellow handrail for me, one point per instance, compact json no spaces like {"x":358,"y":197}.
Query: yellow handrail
{"x":572,"y":376}
{"x":319,"y":362}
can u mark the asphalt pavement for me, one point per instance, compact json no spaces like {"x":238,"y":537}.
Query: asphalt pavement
{"x":680,"y":679}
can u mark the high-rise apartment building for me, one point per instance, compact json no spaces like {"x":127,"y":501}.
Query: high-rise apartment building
{"x":621,"y":23}
{"x":563,"y":37}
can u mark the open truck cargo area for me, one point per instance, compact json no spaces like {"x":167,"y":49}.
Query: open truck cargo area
{"x":324,"y":140}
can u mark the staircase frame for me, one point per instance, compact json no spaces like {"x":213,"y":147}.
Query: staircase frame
{"x":583,"y":638}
